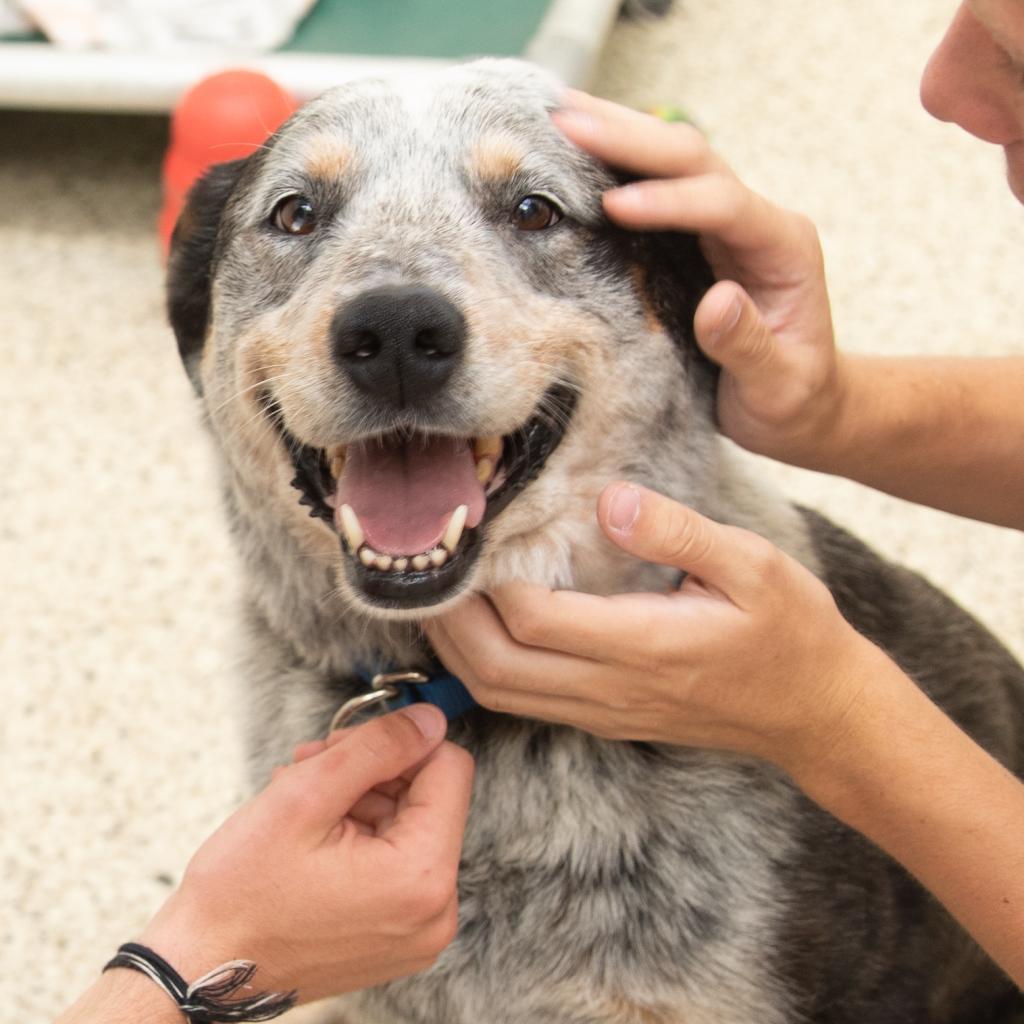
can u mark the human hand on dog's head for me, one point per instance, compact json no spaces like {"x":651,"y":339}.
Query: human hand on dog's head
{"x":767,"y":322}
{"x":750,"y":654}
{"x":341,"y":874}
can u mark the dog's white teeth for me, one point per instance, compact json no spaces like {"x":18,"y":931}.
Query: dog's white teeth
{"x":351,"y":528}
{"x":436,"y":557}
{"x":484,"y":470}
{"x":453,"y":533}
{"x":388,"y":563}
{"x":487,"y":448}
{"x":338,"y":463}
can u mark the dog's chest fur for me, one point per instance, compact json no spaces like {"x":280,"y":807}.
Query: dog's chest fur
{"x":600,"y":881}
{"x":612,"y":882}
{"x":607,"y":881}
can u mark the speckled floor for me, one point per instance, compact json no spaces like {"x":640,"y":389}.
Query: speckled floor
{"x":118,"y":728}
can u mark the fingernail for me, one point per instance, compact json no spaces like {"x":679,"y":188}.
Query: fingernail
{"x":730,"y":318}
{"x":624,"y":508}
{"x":634,"y":195}
{"x":570,"y":118}
{"x":428,"y":719}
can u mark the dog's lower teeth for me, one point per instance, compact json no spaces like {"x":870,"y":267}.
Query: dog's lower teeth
{"x":388,"y":563}
{"x":436,"y":557}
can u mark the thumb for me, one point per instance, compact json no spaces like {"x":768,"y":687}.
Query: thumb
{"x":660,"y":530}
{"x":732,"y":333}
{"x":379,"y":751}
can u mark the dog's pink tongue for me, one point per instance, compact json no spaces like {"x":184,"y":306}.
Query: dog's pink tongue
{"x":404,"y":492}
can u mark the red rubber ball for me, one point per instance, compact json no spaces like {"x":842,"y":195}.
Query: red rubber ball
{"x":228,"y":115}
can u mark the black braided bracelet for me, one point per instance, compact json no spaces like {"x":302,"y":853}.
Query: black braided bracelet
{"x":205,"y":1000}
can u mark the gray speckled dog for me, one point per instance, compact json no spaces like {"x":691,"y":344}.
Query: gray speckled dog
{"x":409,"y":303}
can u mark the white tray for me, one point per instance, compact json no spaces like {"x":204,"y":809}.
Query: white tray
{"x":40,"y":76}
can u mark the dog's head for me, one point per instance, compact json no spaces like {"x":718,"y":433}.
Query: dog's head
{"x":408,"y":315}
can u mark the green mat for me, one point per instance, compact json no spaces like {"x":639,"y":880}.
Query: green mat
{"x":411,"y":28}
{"x":419,"y":28}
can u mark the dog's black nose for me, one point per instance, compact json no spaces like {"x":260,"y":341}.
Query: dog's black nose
{"x":400,"y":344}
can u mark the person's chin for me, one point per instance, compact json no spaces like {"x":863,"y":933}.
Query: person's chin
{"x":1015,"y":169}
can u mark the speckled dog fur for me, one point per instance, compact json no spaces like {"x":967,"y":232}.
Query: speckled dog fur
{"x":602,"y":882}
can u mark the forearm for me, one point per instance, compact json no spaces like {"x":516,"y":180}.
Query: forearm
{"x":911,"y":781}
{"x":122,"y":996}
{"x":948,"y":433}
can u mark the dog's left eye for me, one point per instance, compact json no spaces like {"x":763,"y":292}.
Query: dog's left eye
{"x":535,"y":213}
{"x":294,"y":215}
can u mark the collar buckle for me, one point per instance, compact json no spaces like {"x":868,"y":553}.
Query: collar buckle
{"x":384,"y":686}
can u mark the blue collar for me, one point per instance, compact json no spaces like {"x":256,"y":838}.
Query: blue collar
{"x":438,"y":687}
{"x":396,"y":690}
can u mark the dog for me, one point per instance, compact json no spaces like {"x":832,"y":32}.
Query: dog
{"x":421,"y":351}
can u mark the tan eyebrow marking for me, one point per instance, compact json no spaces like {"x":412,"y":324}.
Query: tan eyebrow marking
{"x":496,"y":158}
{"x":325,"y":157}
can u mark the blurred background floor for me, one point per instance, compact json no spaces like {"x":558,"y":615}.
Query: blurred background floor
{"x":118,"y":731}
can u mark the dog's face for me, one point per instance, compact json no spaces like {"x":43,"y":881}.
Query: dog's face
{"x":422,"y":348}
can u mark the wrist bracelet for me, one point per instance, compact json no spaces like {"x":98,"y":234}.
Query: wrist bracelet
{"x":205,"y":1000}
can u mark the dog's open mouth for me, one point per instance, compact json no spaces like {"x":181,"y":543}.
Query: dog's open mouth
{"x":410,"y":507}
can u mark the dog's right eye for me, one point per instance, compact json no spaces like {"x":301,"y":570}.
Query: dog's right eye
{"x":535,"y":213}
{"x":294,"y":215}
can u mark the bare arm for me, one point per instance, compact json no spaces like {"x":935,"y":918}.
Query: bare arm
{"x":916,"y":785}
{"x":942,"y":432}
{"x":122,"y":997}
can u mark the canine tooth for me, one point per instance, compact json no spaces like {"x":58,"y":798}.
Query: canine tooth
{"x":484,"y":470}
{"x":383,"y":562}
{"x":456,"y":525}
{"x":438,"y":557}
{"x":420,"y":562}
{"x":338,"y":464}
{"x":487,"y":447}
{"x":367,"y":556}
{"x":350,"y":525}
{"x":400,"y":564}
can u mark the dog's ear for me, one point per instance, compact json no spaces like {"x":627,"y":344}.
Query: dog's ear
{"x":675,"y":276}
{"x":191,"y":260}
